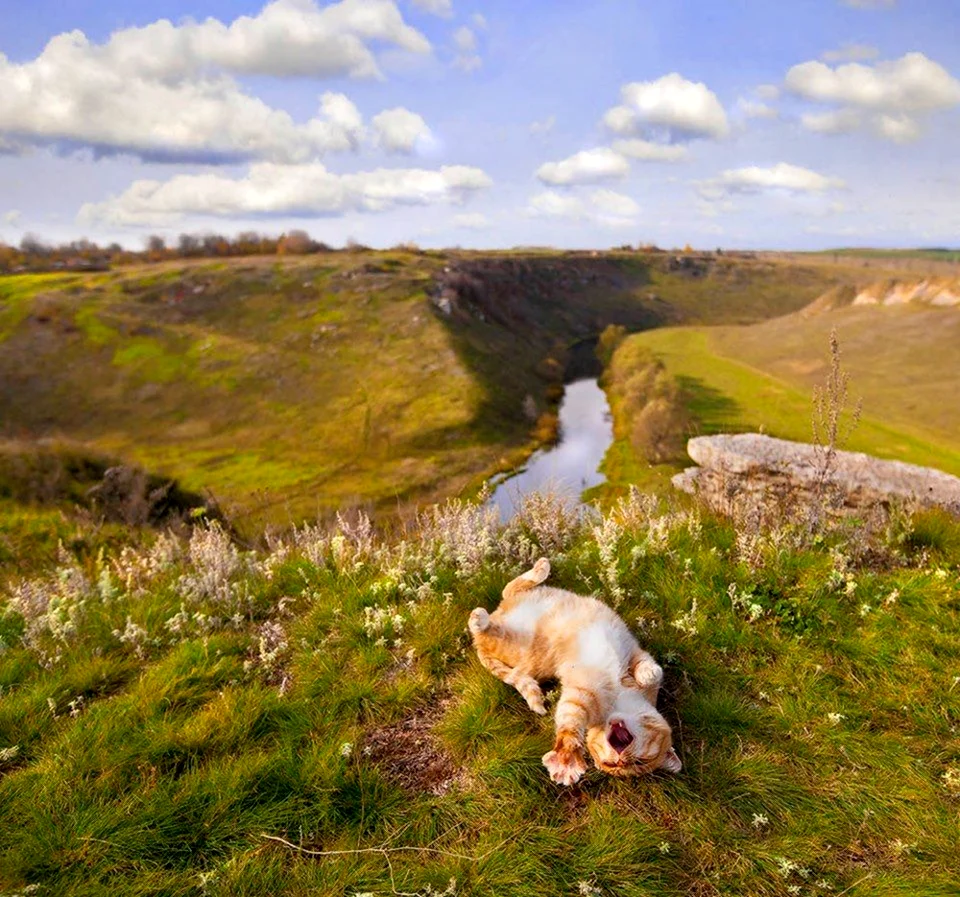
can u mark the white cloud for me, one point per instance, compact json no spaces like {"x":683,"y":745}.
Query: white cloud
{"x":837,"y":121}
{"x":543,"y":126}
{"x":870,"y":4}
{"x":756,"y":109}
{"x":479,"y":21}
{"x":12,"y":217}
{"x":768,"y":92}
{"x":851,"y":53}
{"x":166,"y":90}
{"x":604,"y":207}
{"x":400,"y":130}
{"x":683,"y":108}
{"x":272,"y":189}
{"x":912,"y":83}
{"x":472,"y":221}
{"x":887,"y":97}
{"x":648,"y":151}
{"x":586,"y":167}
{"x":753,"y":179}
{"x":442,"y":8}
{"x":467,"y":58}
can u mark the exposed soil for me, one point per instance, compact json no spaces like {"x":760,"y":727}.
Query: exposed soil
{"x":410,"y":754}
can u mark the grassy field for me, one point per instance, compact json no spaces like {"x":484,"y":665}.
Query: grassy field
{"x":169,"y":714}
{"x":294,"y":387}
{"x":901,"y":361}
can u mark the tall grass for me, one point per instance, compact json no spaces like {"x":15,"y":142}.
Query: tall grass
{"x":166,"y":709}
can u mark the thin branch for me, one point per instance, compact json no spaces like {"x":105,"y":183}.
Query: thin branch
{"x":381,"y":850}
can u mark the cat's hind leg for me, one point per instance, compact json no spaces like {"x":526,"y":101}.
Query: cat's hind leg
{"x":488,"y":637}
{"x":535,"y":576}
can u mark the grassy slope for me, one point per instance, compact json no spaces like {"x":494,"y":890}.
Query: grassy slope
{"x":296,"y":386}
{"x":760,"y":378}
{"x":182,"y":753}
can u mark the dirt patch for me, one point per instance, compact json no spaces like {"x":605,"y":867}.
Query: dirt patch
{"x":410,"y":754}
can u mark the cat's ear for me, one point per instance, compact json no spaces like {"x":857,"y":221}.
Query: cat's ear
{"x":671,"y":762}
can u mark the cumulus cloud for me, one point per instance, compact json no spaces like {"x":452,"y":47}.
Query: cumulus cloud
{"x":586,"y":167}
{"x":780,"y":177}
{"x":648,"y":151}
{"x":167,"y":91}
{"x":400,"y":130}
{"x":12,"y":217}
{"x":683,"y":109}
{"x":768,"y":92}
{"x":851,"y":53}
{"x":912,"y":83}
{"x":604,"y":207}
{"x":888,"y":97}
{"x":442,"y":8}
{"x":472,"y":221}
{"x":272,"y":189}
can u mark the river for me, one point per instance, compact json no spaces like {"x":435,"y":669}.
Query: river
{"x":571,"y":466}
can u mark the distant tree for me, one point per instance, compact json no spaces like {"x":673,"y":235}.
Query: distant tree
{"x":296,"y":242}
{"x":31,"y":244}
{"x":188,"y":245}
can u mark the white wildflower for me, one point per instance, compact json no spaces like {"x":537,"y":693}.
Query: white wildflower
{"x":760,"y":820}
{"x":346,"y":749}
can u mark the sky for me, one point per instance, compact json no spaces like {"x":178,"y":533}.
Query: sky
{"x":795,"y":124}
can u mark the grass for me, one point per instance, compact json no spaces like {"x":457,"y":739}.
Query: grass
{"x":295,"y":387}
{"x":154,"y":744}
{"x":760,"y":378}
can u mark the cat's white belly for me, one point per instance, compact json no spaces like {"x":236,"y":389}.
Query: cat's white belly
{"x":524,"y":618}
{"x":599,"y":648}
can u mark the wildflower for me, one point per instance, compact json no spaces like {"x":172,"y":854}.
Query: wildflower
{"x":9,"y":753}
{"x":346,"y":749}
{"x":664,"y":847}
{"x":760,"y":820}
{"x":835,"y":718}
{"x":951,"y":778}
{"x":891,"y":599}
{"x":586,"y":889}
{"x":687,"y":622}
{"x":865,"y":609}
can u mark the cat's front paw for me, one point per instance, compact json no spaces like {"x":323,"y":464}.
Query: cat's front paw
{"x":539,"y":572}
{"x":565,"y":766}
{"x":648,"y":673}
{"x":479,"y":621}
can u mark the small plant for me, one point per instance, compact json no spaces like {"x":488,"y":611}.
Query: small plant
{"x":832,"y":425}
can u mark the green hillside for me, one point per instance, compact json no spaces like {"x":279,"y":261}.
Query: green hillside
{"x":294,"y":387}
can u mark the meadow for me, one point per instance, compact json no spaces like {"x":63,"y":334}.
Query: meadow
{"x":299,"y":711}
{"x":187,"y":718}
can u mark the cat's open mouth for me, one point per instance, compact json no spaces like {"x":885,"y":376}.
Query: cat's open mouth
{"x":619,"y":737}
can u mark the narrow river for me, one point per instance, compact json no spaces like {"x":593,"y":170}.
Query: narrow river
{"x":571,"y":465}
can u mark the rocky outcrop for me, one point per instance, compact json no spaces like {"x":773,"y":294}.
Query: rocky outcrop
{"x":754,"y":468}
{"x":937,"y":291}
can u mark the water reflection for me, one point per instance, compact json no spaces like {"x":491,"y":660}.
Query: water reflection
{"x":570,"y":466}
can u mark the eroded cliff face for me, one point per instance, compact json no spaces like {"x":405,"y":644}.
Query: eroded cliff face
{"x":936,"y":291}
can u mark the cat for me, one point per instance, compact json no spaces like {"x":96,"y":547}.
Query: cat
{"x":609,"y":685}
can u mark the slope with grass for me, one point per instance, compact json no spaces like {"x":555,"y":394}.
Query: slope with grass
{"x":901,"y":360}
{"x":191,"y":719}
{"x":296,"y":386}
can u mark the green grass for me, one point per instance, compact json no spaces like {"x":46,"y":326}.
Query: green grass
{"x":157,"y":765}
{"x":295,"y":387}
{"x":760,"y":379}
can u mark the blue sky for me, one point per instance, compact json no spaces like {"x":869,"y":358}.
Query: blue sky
{"x":747,"y":123}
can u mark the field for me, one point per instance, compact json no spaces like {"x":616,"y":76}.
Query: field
{"x":901,"y":362}
{"x":169,"y":716}
{"x":299,"y":711}
{"x":290,"y":388}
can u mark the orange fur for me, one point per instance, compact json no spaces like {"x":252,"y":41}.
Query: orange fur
{"x":609,"y":685}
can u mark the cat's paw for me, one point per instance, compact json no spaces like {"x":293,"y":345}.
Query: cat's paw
{"x":479,"y":621}
{"x":539,"y":572}
{"x":535,"y":702}
{"x":648,"y":673}
{"x":565,"y":767}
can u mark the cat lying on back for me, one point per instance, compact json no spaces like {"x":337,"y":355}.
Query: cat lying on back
{"x":609,"y":685}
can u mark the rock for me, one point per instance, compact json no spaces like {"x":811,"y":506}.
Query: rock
{"x":748,"y":465}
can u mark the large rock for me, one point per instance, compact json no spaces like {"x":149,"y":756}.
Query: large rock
{"x":751,"y":465}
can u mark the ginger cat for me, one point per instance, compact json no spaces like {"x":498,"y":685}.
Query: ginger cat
{"x":609,"y":685}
